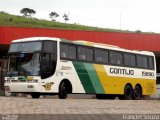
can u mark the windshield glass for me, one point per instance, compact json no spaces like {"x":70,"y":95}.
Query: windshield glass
{"x":23,"y":64}
{"x":25,"y":47}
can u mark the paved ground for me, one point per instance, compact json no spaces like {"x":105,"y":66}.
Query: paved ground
{"x":27,"y":105}
{"x":75,"y":108}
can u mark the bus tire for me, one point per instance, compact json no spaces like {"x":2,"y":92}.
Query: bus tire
{"x":35,"y":95}
{"x":128,"y":93}
{"x":62,"y":91}
{"x":137,"y":93}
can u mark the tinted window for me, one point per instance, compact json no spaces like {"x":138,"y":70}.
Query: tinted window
{"x":48,"y":65}
{"x":25,"y":47}
{"x":72,"y":52}
{"x":101,"y":56}
{"x":50,"y":47}
{"x":68,"y":51}
{"x":115,"y":57}
{"x":45,"y":66}
{"x":64,"y":51}
{"x":142,"y":61}
{"x":151,"y":62}
{"x":85,"y":53}
{"x":129,"y":59}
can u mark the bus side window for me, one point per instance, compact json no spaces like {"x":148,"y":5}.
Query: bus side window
{"x":142,"y":61}
{"x":72,"y":52}
{"x":85,"y":54}
{"x":115,"y":58}
{"x":63,"y":51}
{"x":101,"y":56}
{"x":129,"y":60}
{"x":48,"y":65}
{"x":151,"y":62}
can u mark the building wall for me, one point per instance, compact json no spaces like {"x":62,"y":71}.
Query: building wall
{"x":133,"y":41}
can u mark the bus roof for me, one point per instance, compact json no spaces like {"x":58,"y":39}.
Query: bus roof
{"x":85,"y":43}
{"x":112,"y":47}
{"x":35,"y":39}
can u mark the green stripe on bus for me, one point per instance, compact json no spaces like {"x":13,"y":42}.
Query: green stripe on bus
{"x":84,"y":77}
{"x":94,"y":78}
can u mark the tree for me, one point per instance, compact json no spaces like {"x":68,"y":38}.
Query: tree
{"x":27,"y":12}
{"x":65,"y":18}
{"x":53,"y":16}
{"x":138,"y":31}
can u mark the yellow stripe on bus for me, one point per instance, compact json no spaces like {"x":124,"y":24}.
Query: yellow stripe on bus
{"x":102,"y":75}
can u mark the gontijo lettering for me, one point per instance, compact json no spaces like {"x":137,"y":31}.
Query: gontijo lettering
{"x":121,"y":71}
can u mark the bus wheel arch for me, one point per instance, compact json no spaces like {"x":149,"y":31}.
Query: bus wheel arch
{"x":137,"y":92}
{"x":65,"y":87}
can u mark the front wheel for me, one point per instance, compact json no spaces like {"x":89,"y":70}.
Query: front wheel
{"x":63,"y":91}
{"x":35,"y":95}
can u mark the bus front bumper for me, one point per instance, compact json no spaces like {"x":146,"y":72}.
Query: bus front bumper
{"x":22,"y":87}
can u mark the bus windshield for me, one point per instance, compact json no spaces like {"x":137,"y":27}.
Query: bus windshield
{"x":25,"y":47}
{"x":24,"y":64}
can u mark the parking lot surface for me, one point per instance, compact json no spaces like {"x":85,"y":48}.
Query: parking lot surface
{"x":53,"y":105}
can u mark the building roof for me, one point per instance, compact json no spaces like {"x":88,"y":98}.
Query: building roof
{"x":132,"y":41}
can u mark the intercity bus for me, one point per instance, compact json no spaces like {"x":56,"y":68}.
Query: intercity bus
{"x":54,"y":66}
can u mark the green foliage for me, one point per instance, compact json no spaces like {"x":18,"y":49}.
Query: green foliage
{"x":27,"y":12}
{"x":53,"y":15}
{"x":20,"y":21}
{"x":65,"y":18}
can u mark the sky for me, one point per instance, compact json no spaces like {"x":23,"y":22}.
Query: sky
{"x":130,"y":15}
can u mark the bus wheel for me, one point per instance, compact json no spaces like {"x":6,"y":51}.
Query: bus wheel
{"x":35,"y":95}
{"x":128,"y":92}
{"x":63,"y":91}
{"x":137,"y":93}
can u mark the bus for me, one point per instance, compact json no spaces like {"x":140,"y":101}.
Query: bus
{"x":54,"y":66}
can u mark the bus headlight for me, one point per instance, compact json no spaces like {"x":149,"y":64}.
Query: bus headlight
{"x":7,"y":81}
{"x":33,"y":81}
